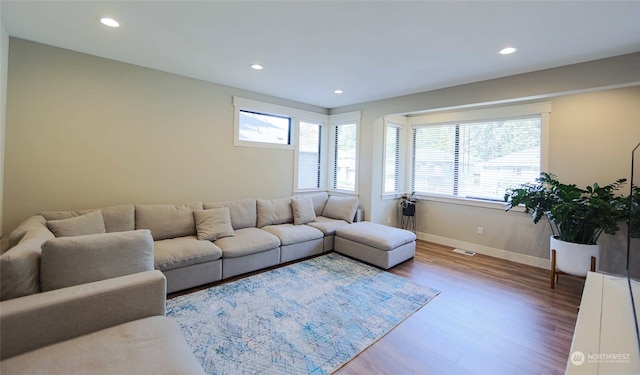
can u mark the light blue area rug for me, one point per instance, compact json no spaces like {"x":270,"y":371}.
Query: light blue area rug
{"x":310,"y":317}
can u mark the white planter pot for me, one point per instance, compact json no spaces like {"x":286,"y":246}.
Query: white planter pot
{"x":573,"y":258}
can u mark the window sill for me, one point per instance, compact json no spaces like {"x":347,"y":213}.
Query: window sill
{"x":467,"y":202}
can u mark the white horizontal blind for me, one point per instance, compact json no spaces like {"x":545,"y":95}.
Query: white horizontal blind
{"x":309,"y":155}
{"x":344,"y":158}
{"x":392,"y":160}
{"x":476,"y":160}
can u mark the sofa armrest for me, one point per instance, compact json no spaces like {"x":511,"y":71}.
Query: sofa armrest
{"x":34,"y":321}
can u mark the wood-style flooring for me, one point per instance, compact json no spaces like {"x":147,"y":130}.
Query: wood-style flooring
{"x":492,"y":317}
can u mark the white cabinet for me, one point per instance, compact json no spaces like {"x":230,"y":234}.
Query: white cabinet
{"x":604,"y":341}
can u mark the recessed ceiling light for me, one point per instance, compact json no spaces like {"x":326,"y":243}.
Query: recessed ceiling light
{"x":507,"y":51}
{"x":109,"y":22}
{"x":338,"y":91}
{"x":257,"y":67}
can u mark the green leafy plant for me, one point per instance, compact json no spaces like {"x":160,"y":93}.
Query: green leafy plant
{"x":634,"y":212}
{"x":574,"y":215}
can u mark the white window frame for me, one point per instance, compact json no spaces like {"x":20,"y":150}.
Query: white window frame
{"x":249,"y":105}
{"x":542,"y":108}
{"x":296,"y":115}
{"x":334,"y":122}
{"x":398,"y":122}
{"x":323,"y":121}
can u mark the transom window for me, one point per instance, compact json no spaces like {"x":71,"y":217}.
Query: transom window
{"x":264,"y":128}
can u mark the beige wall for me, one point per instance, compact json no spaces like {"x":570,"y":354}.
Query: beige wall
{"x":83,"y":131}
{"x":4,"y":62}
{"x":595,"y":122}
{"x":87,"y":132}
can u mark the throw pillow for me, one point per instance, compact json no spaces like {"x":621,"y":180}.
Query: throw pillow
{"x":91,"y":223}
{"x":303,"y":211}
{"x":72,"y":261}
{"x":213,"y":223}
{"x":341,"y":208}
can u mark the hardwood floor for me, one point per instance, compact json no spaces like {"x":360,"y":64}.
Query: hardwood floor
{"x":492,"y":317}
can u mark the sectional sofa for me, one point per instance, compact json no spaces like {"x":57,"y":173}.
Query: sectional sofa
{"x":194,"y":243}
{"x":87,"y":285}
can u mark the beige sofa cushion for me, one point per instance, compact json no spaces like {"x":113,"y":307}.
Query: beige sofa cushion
{"x":303,"y":211}
{"x":213,"y":223}
{"x":326,"y":225}
{"x":184,"y":251}
{"x":342,"y":208}
{"x":116,"y":218}
{"x":20,"y":266}
{"x":91,"y":223}
{"x":380,"y":236}
{"x":319,"y":200}
{"x":247,"y":241}
{"x":274,"y":211}
{"x":69,"y":261}
{"x":153,"y":345}
{"x":290,"y":234}
{"x":167,"y":220}
{"x":243,"y":212}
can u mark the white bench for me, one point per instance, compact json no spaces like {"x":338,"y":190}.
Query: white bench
{"x":377,"y":244}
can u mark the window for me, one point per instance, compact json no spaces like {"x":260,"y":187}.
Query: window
{"x":344,"y":152}
{"x":392,"y":158}
{"x":310,"y":166}
{"x":265,"y":125}
{"x":476,"y":159}
{"x":265,"y":128}
{"x":344,"y":157}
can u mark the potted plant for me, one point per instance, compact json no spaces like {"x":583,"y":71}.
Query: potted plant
{"x":577,"y":217}
{"x":408,"y":204}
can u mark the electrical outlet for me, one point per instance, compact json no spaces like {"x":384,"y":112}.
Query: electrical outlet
{"x":480,"y":231}
{"x":388,"y":219}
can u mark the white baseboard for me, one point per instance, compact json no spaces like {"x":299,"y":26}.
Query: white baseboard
{"x":486,"y":250}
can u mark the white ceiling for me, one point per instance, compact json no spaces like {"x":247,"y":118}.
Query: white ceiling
{"x":371,"y":50}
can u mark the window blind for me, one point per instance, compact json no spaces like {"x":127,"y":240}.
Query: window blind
{"x":344,"y":158}
{"x":309,"y":155}
{"x":392,"y":160}
{"x":476,"y":160}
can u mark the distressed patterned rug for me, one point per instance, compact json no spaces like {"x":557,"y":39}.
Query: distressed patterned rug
{"x":310,"y":317}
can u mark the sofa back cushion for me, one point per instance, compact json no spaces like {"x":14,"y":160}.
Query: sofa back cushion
{"x":303,"y":211}
{"x":116,"y":218}
{"x":69,"y":261}
{"x":31,"y":223}
{"x":342,"y":208}
{"x":274,"y":211}
{"x":319,"y":201}
{"x":167,"y":220}
{"x":20,"y":266}
{"x":91,"y":223}
{"x":243,"y":212}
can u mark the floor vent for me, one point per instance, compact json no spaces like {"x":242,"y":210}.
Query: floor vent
{"x":465,"y":252}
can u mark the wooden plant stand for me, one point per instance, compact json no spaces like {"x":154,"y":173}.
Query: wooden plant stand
{"x":555,"y":272}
